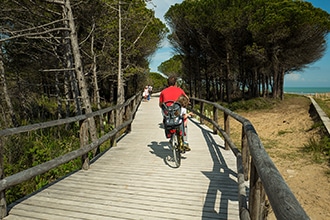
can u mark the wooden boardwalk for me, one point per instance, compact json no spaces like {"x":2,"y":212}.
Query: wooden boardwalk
{"x":136,"y":180}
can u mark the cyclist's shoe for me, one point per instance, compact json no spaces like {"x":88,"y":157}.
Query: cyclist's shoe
{"x":186,"y":146}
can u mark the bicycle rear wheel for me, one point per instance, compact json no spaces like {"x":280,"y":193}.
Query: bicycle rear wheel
{"x":176,"y":150}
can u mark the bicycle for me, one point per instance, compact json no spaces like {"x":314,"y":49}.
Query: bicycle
{"x":174,"y":129}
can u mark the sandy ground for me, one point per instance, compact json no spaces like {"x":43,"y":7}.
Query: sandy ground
{"x":284,"y":131}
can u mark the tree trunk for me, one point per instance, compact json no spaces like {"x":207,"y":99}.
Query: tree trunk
{"x":13,"y":120}
{"x":120,"y":87}
{"x":281,"y":85}
{"x":96,"y":95}
{"x":228,"y":79}
{"x":70,"y":78}
{"x":207,"y":84}
{"x":3,"y":204}
{"x":276,"y":77}
{"x":256,"y":92}
{"x":67,"y":94}
{"x":58,"y":97}
{"x":79,"y":71}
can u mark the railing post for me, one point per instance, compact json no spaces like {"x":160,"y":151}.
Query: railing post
{"x":227,"y":129}
{"x":193,"y":103}
{"x":83,"y":136}
{"x":202,"y":112}
{"x":215,"y":118}
{"x":3,"y":204}
{"x":112,"y":120}
{"x":111,"y":117}
{"x":101,"y":121}
{"x":256,"y":196}
{"x":245,"y":155}
{"x":242,"y":201}
{"x":127,"y":116}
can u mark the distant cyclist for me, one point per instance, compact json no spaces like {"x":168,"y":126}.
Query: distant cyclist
{"x":172,"y":93}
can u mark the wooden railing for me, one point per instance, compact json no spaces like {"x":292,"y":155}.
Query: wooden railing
{"x":252,"y":160}
{"x":129,"y":109}
{"x":253,"y":163}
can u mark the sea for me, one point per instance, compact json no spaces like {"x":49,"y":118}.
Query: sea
{"x":306,"y":90}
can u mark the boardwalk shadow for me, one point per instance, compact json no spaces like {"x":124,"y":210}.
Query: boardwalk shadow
{"x":162,"y":150}
{"x":223,"y":187}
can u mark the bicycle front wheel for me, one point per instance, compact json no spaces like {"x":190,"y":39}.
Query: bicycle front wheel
{"x":176,"y":150}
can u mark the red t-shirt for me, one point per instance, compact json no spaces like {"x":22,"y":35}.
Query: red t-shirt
{"x":171,"y":93}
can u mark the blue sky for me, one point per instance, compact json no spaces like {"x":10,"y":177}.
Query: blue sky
{"x":165,"y":52}
{"x":316,"y":75}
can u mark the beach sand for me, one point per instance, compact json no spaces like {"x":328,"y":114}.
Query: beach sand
{"x":284,"y":131}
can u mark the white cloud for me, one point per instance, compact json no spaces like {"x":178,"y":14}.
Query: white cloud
{"x":294,"y":77}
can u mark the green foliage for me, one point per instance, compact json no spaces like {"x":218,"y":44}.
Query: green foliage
{"x":142,"y":34}
{"x":245,"y":105}
{"x":157,"y":81}
{"x":173,"y":66}
{"x":251,"y":104}
{"x":28,"y":150}
{"x":320,"y":149}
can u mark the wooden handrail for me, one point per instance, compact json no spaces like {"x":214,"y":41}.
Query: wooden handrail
{"x":37,"y":126}
{"x":130,"y":106}
{"x":264,"y":176}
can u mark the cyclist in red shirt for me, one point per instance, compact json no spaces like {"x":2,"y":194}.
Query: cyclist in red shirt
{"x":172,"y":93}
